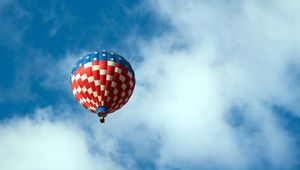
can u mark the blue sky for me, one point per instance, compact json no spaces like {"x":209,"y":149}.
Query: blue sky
{"x":41,"y":33}
{"x":217,"y":85}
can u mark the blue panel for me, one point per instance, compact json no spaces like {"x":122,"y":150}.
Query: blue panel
{"x":104,"y":55}
{"x":88,"y":58}
{"x":102,"y":109}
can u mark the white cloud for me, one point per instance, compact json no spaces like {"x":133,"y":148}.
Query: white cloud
{"x":39,"y":143}
{"x":215,"y":57}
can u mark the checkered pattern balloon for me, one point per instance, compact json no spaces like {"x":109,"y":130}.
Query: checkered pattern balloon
{"x":102,"y":80}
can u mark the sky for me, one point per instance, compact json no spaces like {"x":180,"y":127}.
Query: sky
{"x":217,"y":85}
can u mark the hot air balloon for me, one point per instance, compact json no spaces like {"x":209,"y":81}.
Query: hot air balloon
{"x":102,"y":82}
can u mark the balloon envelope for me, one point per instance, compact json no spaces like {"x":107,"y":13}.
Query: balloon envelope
{"x":102,"y":82}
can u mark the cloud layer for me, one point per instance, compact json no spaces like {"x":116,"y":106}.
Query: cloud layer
{"x":207,"y":86}
{"x":42,"y":143}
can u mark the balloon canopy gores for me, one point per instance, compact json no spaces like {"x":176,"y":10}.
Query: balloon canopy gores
{"x":102,"y":82}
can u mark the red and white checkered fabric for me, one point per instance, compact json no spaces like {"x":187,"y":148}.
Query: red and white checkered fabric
{"x":102,"y":82}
